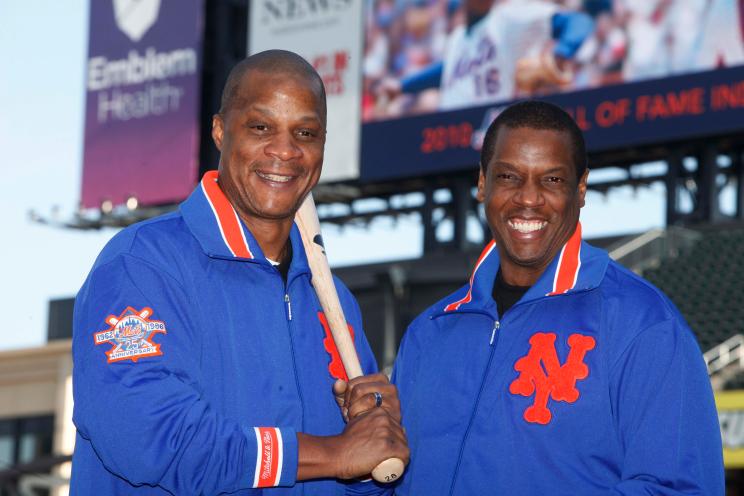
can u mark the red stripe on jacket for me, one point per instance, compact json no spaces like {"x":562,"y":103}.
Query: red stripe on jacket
{"x":226,"y":216}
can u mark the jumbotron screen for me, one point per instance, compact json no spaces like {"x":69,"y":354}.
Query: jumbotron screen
{"x":631,"y":72}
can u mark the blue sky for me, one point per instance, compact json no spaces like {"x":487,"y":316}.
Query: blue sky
{"x":43,"y":45}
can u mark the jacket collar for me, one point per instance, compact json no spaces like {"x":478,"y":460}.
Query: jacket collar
{"x":577,"y":267}
{"x":221,"y":233}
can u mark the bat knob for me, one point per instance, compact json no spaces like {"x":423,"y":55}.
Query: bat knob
{"x":389,"y":470}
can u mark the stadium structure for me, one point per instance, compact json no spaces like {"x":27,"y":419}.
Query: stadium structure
{"x":417,"y":159}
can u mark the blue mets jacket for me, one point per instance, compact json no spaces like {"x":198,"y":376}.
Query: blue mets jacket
{"x":195,"y":364}
{"x":592,"y":384}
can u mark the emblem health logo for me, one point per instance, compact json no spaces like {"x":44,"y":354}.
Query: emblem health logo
{"x":136,"y":17}
{"x":554,"y":381}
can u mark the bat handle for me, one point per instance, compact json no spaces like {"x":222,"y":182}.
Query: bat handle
{"x":388,"y":470}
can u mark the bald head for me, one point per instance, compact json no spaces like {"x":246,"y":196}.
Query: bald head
{"x":282,"y":62}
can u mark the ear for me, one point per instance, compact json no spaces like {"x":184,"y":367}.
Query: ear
{"x":218,"y":129}
{"x":481,"y":194}
{"x":582,"y":187}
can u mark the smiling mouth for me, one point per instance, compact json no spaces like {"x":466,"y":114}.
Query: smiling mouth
{"x":274,"y":178}
{"x":527,"y":226}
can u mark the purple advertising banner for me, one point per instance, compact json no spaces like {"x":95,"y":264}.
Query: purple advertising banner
{"x":142,"y":101}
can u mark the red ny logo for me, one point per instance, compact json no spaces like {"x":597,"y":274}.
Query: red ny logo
{"x":560,"y":381}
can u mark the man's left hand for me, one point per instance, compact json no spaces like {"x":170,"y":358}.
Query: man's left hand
{"x":358,"y":396}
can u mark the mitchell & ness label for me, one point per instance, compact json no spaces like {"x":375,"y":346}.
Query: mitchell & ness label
{"x":269,"y":458}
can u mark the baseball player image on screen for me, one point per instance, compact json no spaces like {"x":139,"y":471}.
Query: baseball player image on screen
{"x":662,"y":36}
{"x":505,"y":48}
{"x":721,"y":41}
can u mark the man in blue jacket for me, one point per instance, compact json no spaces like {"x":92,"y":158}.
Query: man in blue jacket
{"x":554,"y":371}
{"x":201,"y":360}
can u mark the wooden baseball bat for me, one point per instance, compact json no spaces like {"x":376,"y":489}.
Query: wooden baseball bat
{"x":307,"y":221}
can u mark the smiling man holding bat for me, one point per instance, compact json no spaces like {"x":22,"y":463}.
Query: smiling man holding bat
{"x":203,"y":361}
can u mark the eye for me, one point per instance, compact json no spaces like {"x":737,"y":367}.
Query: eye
{"x":307,"y":134}
{"x":505,"y":176}
{"x":555,"y":180}
{"x":258,"y":127}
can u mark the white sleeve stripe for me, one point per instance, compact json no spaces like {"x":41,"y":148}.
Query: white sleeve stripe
{"x":259,"y":451}
{"x":280,"y":459}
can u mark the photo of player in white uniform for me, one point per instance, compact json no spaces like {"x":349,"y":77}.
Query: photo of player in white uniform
{"x":511,"y":49}
{"x":722,"y":40}
{"x":468,"y":53}
{"x":501,"y":49}
{"x":662,"y":36}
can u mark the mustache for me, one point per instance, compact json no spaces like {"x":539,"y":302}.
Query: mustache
{"x":526,"y":213}
{"x":281,"y":168}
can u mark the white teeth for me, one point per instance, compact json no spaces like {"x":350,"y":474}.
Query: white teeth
{"x":526,"y":227}
{"x":274,"y":177}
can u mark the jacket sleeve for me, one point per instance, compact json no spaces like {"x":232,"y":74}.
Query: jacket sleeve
{"x":369,"y":366}
{"x":404,"y":376}
{"x":368,"y":488}
{"x":143,"y":411}
{"x":406,"y":367}
{"x":666,"y":416}
{"x":570,"y":30}
{"x":427,"y":78}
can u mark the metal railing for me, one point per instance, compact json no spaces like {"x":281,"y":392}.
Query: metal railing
{"x":647,"y":251}
{"x":650,"y":248}
{"x":725,"y":354}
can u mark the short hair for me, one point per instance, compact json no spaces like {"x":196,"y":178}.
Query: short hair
{"x":536,"y":114}
{"x":270,"y":61}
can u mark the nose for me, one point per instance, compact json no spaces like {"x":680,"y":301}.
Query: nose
{"x":283,"y":147}
{"x":529,"y":195}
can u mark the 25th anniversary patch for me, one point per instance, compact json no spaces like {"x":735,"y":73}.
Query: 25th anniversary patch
{"x":131,"y":334}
